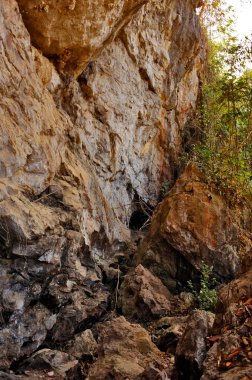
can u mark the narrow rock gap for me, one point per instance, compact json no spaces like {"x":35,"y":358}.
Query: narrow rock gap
{"x":141,"y":216}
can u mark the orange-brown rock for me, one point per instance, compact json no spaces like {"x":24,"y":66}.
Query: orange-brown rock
{"x":192,"y":225}
{"x":230,"y":296}
{"x":124,"y":351}
{"x":143,"y":296}
{"x":32,"y":129}
{"x":75,"y":31}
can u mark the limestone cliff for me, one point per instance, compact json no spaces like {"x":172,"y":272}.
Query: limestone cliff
{"x":94,"y":143}
{"x":94,"y":99}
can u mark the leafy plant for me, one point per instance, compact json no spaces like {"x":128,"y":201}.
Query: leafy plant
{"x":205,"y":296}
{"x":225,"y":152}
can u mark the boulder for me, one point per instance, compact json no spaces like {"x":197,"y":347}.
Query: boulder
{"x":31,"y":375}
{"x":183,"y":303}
{"x":124,"y":351}
{"x":75,"y":31}
{"x":192,"y":225}
{"x":85,"y":306}
{"x":154,"y":373}
{"x":191,"y":349}
{"x":143,"y":296}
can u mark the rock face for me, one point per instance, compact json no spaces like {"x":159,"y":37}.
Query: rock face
{"x":95,"y":144}
{"x":24,"y":334}
{"x":94,"y":97}
{"x":75,"y":31}
{"x":193,"y":224}
{"x":83,"y":344}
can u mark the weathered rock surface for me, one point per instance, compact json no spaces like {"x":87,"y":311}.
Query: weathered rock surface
{"x":75,"y":31}
{"x":24,"y":333}
{"x":93,"y":139}
{"x":34,"y":202}
{"x":32,"y":375}
{"x":50,"y":360}
{"x":80,"y":310}
{"x":83,"y":344}
{"x":230,"y":295}
{"x":191,"y":225}
{"x":143,"y":296}
{"x":169,"y":330}
{"x":94,"y":99}
{"x":73,"y":298}
{"x":79,"y":156}
{"x":124,"y":351}
{"x":191,"y":349}
{"x":154,"y":373}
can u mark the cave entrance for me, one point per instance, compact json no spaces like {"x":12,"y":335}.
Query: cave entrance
{"x":141,"y":216}
{"x":137,"y":220}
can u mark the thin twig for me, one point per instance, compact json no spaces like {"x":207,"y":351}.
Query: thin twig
{"x":45,"y":196}
{"x":147,"y":223}
{"x":117,"y":287}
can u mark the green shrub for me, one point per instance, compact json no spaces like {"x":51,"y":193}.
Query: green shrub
{"x":205,"y":296}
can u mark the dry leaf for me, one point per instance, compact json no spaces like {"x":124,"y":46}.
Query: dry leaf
{"x":228,"y":364}
{"x":239,"y":312}
{"x":248,"y":302}
{"x":245,"y":341}
{"x":233,"y":354}
{"x":250,"y":355}
{"x":214,"y":338}
{"x":225,"y":329}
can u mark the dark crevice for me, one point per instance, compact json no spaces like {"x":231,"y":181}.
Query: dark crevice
{"x":141,"y":215}
{"x":145,"y":77}
{"x":137,"y":220}
{"x":91,"y":321}
{"x":3,"y":248}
